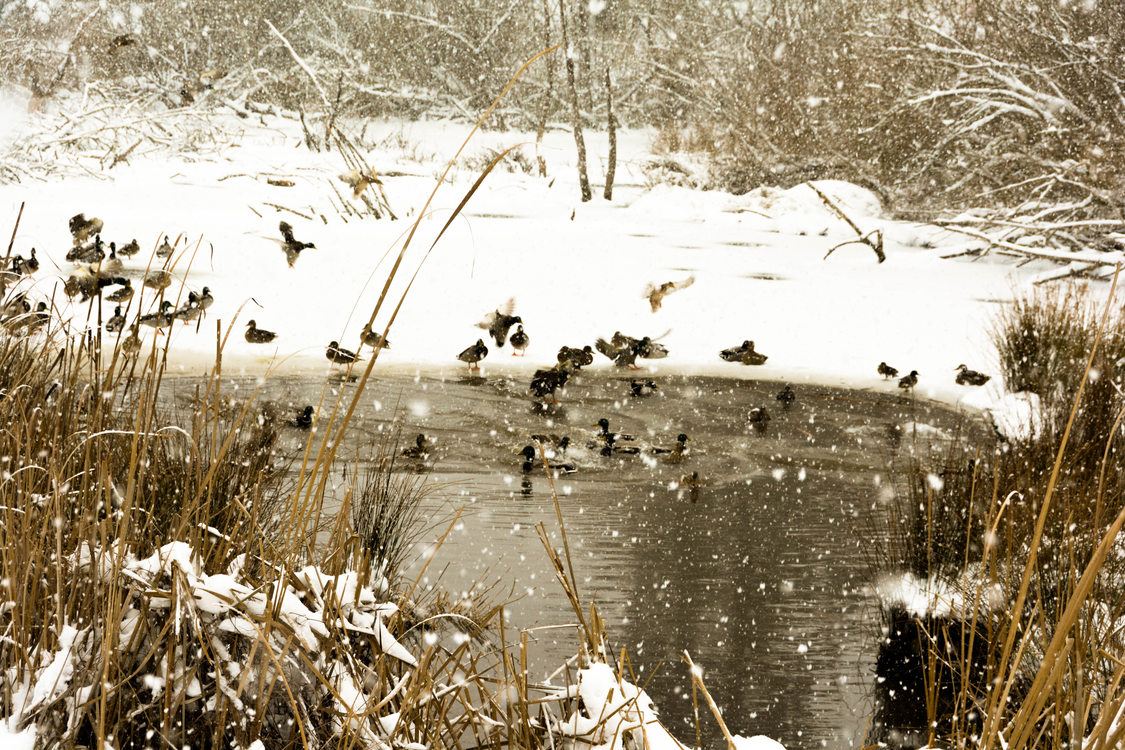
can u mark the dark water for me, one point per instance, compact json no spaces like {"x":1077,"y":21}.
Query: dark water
{"x":760,"y":573}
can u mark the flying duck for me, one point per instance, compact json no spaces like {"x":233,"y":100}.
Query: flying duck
{"x":519,"y":342}
{"x":81,"y":228}
{"x":655,"y":293}
{"x":965,"y":376}
{"x":290,"y":244}
{"x":255,"y":335}
{"x":500,"y":321}
{"x":474,"y":354}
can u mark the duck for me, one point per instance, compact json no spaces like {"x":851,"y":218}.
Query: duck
{"x":189,"y":311}
{"x":81,"y":228}
{"x":578,"y":358}
{"x":603,"y":423}
{"x":500,"y":321}
{"x":205,"y":299}
{"x":655,"y":293}
{"x":965,"y":376}
{"x":677,"y":452}
{"x":787,"y":396}
{"x":622,"y":356}
{"x":93,"y":253}
{"x":39,"y":318}
{"x":22,"y":266}
{"x":751,"y":357}
{"x":160,"y":319}
{"x":158,"y":279}
{"x":338,"y":356}
{"x":474,"y":354}
{"x":124,"y":294}
{"x":611,"y":448}
{"x":420,"y":449}
{"x":887,"y":371}
{"x":734,"y":354}
{"x":255,"y":335}
{"x":166,"y":249}
{"x":132,"y":343}
{"x":557,"y":444}
{"x":290,"y":244}
{"x":304,"y":418}
{"x":547,"y":381}
{"x":129,"y":249}
{"x":643,"y":387}
{"x":908,"y":382}
{"x":519,"y":342}
{"x":759,"y":418}
{"x":111,"y":266}
{"x":529,"y":463}
{"x":372,"y":339}
{"x":117,"y":322}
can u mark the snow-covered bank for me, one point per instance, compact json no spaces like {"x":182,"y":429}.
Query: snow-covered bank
{"x":577,"y":271}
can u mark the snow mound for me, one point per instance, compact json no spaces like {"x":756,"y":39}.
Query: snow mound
{"x":757,"y":742}
{"x":933,"y":597}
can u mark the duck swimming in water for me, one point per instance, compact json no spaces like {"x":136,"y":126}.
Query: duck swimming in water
{"x":420,"y":449}
{"x":304,"y":419}
{"x":643,"y":387}
{"x":786,"y":397}
{"x":530,"y":463}
{"x":759,"y":419}
{"x":677,"y":452}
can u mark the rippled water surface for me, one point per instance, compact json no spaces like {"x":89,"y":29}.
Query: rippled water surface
{"x":761,"y":573}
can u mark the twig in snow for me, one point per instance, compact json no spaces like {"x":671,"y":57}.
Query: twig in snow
{"x":865,"y":239}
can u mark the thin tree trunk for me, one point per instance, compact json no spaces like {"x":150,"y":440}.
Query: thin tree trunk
{"x":611,"y":127}
{"x":546,"y":111}
{"x":576,"y":119}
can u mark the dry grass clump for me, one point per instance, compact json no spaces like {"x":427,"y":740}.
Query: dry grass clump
{"x":1016,"y":643}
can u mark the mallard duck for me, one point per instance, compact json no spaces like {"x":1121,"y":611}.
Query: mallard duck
{"x":603,"y":423}
{"x":304,"y":419}
{"x":158,"y":279}
{"x":611,"y":448}
{"x":530,"y":462}
{"x":786,"y":397}
{"x":129,"y":249}
{"x":339,"y":356}
{"x":39,"y":317}
{"x":474,"y":354}
{"x":519,"y":342}
{"x":190,"y":311}
{"x":887,"y":371}
{"x":290,"y":244}
{"x":205,"y":299}
{"x":547,"y":381}
{"x":420,"y":449}
{"x":500,"y":321}
{"x":643,"y":387}
{"x":25,"y":266}
{"x":909,"y":381}
{"x":965,"y":376}
{"x":166,"y":249}
{"x":655,"y":293}
{"x":93,"y":253}
{"x":556,"y":445}
{"x":734,"y":354}
{"x":676,"y":452}
{"x":255,"y":335}
{"x":111,"y":266}
{"x":117,"y":322}
{"x":80,"y":283}
{"x":81,"y":228}
{"x":759,"y":418}
{"x":124,"y":294}
{"x":159,"y":320}
{"x":622,"y":356}
{"x":132,"y":343}
{"x":751,"y":357}
{"x":577,"y":358}
{"x":372,"y":339}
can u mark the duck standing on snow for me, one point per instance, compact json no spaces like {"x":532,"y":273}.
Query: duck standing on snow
{"x":158,"y":279}
{"x":25,"y":266}
{"x":907,"y":383}
{"x":759,"y":419}
{"x":124,"y":294}
{"x":474,"y":354}
{"x":577,"y":358}
{"x":734,"y":354}
{"x":132,"y":343}
{"x":111,"y":266}
{"x":887,"y":371}
{"x":655,"y":293}
{"x":81,"y":228}
{"x":166,"y":249}
{"x":519,"y":342}
{"x":159,"y":320}
{"x":129,"y":249}
{"x":500,"y":321}
{"x":205,"y":299}
{"x":372,"y":339}
{"x":255,"y":335}
{"x":290,"y":244}
{"x":117,"y":322}
{"x":965,"y":376}
{"x":338,"y":356}
{"x":786,"y":397}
